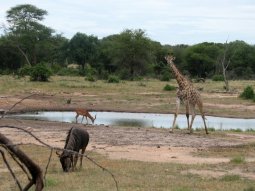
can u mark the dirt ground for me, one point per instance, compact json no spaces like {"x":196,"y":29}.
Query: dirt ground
{"x":143,"y":144}
{"x":132,"y":143}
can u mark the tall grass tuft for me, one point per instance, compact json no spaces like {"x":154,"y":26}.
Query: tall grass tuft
{"x":238,"y":160}
{"x":230,"y":178}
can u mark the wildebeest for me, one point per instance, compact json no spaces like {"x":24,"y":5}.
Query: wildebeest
{"x":77,"y":139}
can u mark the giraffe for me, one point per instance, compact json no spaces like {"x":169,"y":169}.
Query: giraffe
{"x":186,"y":94}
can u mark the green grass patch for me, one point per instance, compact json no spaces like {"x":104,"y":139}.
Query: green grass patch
{"x":230,"y":178}
{"x":168,"y":87}
{"x":249,"y":189}
{"x":50,"y":182}
{"x":238,"y":160}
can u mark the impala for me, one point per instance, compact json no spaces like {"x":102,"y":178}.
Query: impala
{"x":84,"y":113}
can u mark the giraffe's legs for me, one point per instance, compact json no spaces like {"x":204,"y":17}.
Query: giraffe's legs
{"x":187,"y":113}
{"x":178,"y":102}
{"x":192,"y":108}
{"x":200,"y":106}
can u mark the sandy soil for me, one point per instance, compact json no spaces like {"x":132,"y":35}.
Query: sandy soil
{"x":142,"y":144}
{"x":153,"y":145}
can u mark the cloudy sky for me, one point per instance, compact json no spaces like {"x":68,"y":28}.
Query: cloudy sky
{"x":167,"y":21}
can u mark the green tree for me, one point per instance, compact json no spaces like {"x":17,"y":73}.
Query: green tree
{"x":83,"y":48}
{"x":201,"y":59}
{"x":134,"y":52}
{"x":9,"y":57}
{"x":25,"y":31}
{"x":129,"y":53}
{"x":242,"y":58}
{"x":159,"y":64}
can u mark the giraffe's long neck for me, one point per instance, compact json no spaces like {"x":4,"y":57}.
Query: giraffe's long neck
{"x":181,"y":80}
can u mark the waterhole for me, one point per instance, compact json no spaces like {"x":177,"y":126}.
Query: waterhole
{"x":143,"y":120}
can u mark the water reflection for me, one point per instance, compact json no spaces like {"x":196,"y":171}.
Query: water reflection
{"x":131,"y":122}
{"x":143,"y":120}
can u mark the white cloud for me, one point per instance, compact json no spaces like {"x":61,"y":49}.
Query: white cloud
{"x":167,"y":21}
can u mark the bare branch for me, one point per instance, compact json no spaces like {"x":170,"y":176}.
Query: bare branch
{"x":33,"y":168}
{"x":46,"y":169}
{"x":16,"y":104}
{"x":24,"y":54}
{"x":9,"y":168}
{"x":17,"y":161}
{"x":104,"y":169}
{"x":71,"y":151}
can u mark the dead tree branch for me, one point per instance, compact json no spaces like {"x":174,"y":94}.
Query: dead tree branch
{"x":16,"y":104}
{"x":46,"y":169}
{"x":56,"y":148}
{"x":18,"y":162}
{"x":104,"y":169}
{"x":34,"y":169}
{"x":10,"y":170}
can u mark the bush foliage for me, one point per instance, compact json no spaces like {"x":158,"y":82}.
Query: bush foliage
{"x":113,"y":79}
{"x":169,"y":87}
{"x":40,"y":72}
{"x":248,"y":93}
{"x":218,"y":78}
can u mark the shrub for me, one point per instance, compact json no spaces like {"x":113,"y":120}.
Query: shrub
{"x":68,"y":72}
{"x":40,"y":72}
{"x":218,"y":78}
{"x":113,"y":79}
{"x":25,"y":70}
{"x":248,"y":93}
{"x":90,"y":78}
{"x":169,"y":87}
{"x":166,"y":76}
{"x":89,"y":71}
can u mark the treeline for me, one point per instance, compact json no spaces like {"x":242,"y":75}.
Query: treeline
{"x":129,"y":55}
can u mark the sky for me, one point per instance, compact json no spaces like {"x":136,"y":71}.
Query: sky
{"x":166,"y":21}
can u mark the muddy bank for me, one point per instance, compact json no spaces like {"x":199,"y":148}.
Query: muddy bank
{"x":145,"y":144}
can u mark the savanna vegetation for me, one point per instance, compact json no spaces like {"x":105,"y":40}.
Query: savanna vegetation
{"x":126,"y":71}
{"x":138,"y":175}
{"x":130,"y":55}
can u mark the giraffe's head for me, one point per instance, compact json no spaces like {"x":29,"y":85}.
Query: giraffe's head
{"x":169,"y":59}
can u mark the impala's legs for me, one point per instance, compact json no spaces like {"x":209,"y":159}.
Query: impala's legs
{"x":82,"y":119}
{"x":77,"y":115}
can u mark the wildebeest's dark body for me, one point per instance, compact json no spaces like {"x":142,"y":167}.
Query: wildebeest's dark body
{"x":77,"y":139}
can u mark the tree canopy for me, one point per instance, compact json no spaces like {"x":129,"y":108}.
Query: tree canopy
{"x":130,"y":54}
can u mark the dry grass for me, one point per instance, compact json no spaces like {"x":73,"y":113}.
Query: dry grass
{"x":145,"y":96}
{"x":131,"y":175}
{"x":139,"y":96}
